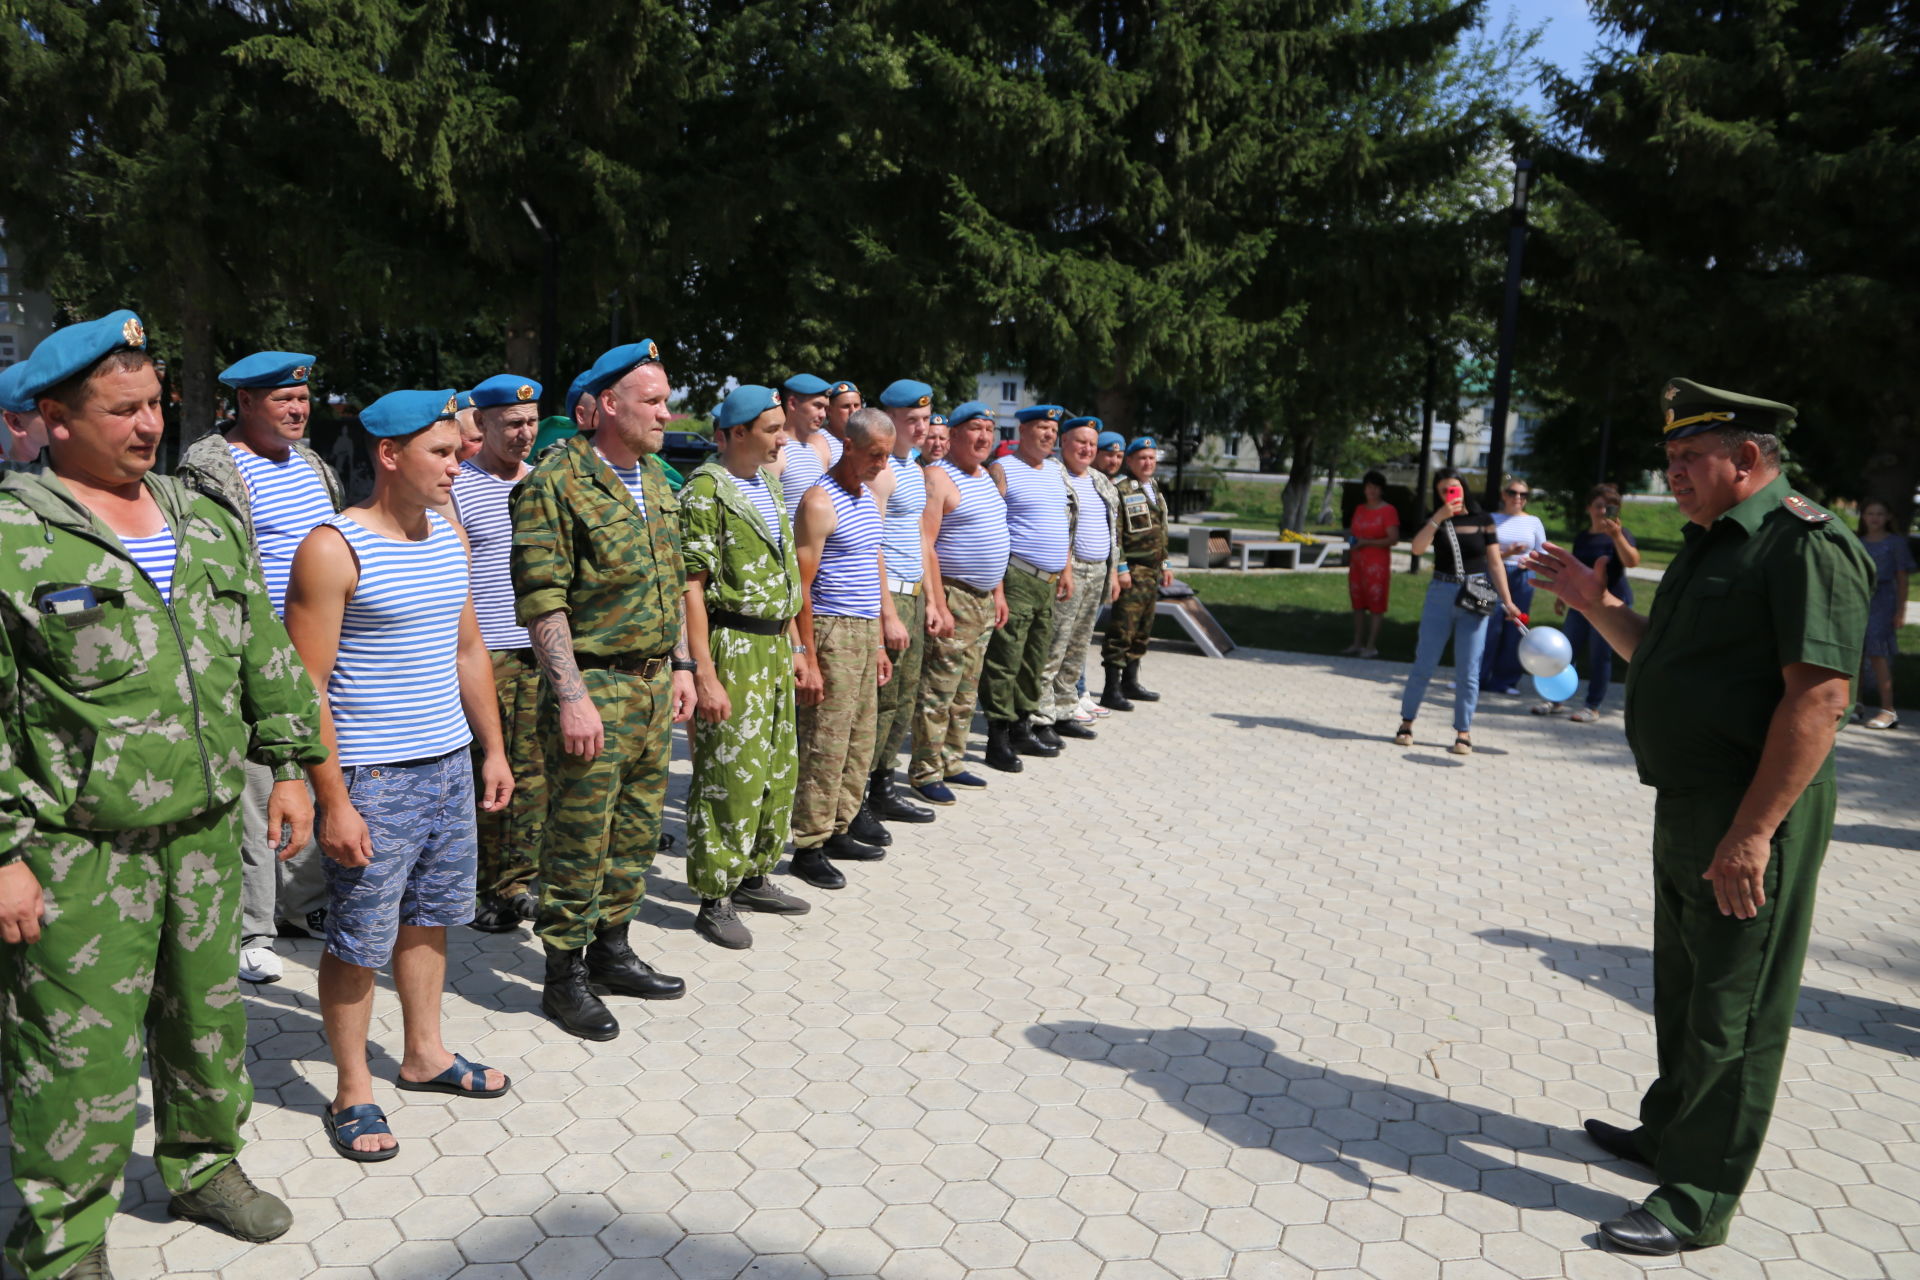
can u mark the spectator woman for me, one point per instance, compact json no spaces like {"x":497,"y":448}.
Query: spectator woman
{"x":1887,"y":611}
{"x":1520,"y":534}
{"x":1606,"y":539}
{"x":1461,"y":535}
{"x":1376,"y":527}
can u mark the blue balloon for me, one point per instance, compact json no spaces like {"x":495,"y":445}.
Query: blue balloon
{"x":1558,"y":687}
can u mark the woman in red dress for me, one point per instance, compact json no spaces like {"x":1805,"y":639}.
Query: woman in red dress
{"x":1376,"y":527}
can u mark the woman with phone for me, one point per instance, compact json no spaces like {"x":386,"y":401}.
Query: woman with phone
{"x":1468,"y":585}
{"x":1606,"y":539}
{"x":1887,"y":610}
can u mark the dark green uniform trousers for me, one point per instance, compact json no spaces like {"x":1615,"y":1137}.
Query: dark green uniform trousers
{"x":1724,"y":995}
{"x":1017,"y":653}
{"x":510,"y":839}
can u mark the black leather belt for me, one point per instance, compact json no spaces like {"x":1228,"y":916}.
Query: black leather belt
{"x":631,"y":663}
{"x":967,"y":587}
{"x":741,"y":622}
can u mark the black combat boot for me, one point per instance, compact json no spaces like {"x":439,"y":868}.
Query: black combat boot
{"x":1073,"y":729}
{"x":810,"y":864}
{"x":1020,"y":738}
{"x":1000,"y":752}
{"x":567,"y":1000}
{"x":1045,"y":736}
{"x":1130,"y":684}
{"x":612,"y":964}
{"x":888,"y":804}
{"x":1111,"y":697}
{"x":848,"y":847}
{"x":867,"y":829}
{"x":494,"y":915}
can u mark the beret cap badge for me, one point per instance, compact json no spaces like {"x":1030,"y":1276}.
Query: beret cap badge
{"x":523,"y":392}
{"x":134,"y":332}
{"x":924,"y":401}
{"x":300,"y":372}
{"x":653,"y":352}
{"x":452,"y":402}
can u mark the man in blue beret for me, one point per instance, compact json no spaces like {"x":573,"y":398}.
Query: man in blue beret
{"x":1095,"y":568}
{"x":599,"y":583}
{"x":26,"y":431}
{"x":810,"y":448}
{"x":1039,"y":537}
{"x":507,"y":409}
{"x":380,"y":607}
{"x":901,"y":492}
{"x":843,"y":401}
{"x":263,"y":471}
{"x":1110,"y":453}
{"x":120,"y":871}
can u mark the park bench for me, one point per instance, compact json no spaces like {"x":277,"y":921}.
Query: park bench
{"x":1210,"y":548}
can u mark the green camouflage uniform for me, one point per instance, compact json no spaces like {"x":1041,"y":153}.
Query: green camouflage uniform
{"x":581,"y":545}
{"x":745,"y":767}
{"x":1143,"y":542}
{"x":123,"y":732}
{"x":509,"y":840}
{"x":950,"y":685}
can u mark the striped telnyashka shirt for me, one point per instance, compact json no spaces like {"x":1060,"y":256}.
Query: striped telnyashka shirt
{"x":848,"y":582}
{"x":480,"y":499}
{"x":289,"y":501}
{"x":901,"y":539}
{"x":972,"y":545}
{"x":1036,"y":511}
{"x":155,"y":556}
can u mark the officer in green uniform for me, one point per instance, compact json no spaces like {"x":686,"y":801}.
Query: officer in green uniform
{"x":598,"y":580}
{"x":1741,"y":676}
{"x":140,"y":664}
{"x":743,"y":595}
{"x":1143,"y":546}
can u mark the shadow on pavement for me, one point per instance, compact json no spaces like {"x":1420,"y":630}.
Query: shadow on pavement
{"x":1335,"y":732}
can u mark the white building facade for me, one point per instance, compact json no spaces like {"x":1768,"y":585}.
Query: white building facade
{"x":25,"y":317}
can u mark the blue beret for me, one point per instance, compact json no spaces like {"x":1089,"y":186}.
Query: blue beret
{"x":401,"y":413}
{"x":78,"y":347}
{"x":265,"y":370}
{"x":12,"y":399}
{"x":1112,"y":440}
{"x":618,"y":363}
{"x":841,"y":388}
{"x":969,"y":411}
{"x":504,"y":388}
{"x":906,"y":394}
{"x":937,"y":420}
{"x":805,"y":384}
{"x":463,"y":400}
{"x":1141,"y":442}
{"x":1071,"y":423}
{"x":1040,"y":413}
{"x":744,"y":404}
{"x":575,"y":390}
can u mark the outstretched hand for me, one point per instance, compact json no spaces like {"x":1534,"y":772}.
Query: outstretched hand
{"x":1555,"y":568}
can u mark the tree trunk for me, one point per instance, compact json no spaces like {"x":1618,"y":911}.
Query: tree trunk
{"x":1118,"y":407}
{"x":193,"y":375}
{"x":1293,"y":499}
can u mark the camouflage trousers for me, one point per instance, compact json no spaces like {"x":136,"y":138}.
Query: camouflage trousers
{"x":1130,"y":625}
{"x":510,"y":839}
{"x":744,"y":768}
{"x":1073,"y":620}
{"x":836,"y":736}
{"x":1010,"y":679}
{"x":950,"y":685}
{"x":141,"y":935}
{"x":603,"y":814}
{"x":900,"y":697}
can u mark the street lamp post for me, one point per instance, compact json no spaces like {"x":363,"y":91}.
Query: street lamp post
{"x":1509,"y":321}
{"x":549,"y":312}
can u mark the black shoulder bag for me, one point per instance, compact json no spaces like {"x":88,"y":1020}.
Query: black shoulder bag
{"x":1476,"y":593}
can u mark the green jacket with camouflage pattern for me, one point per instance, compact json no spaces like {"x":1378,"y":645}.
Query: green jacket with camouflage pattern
{"x":134,"y":712}
{"x":727,"y":540}
{"x":1143,"y":521}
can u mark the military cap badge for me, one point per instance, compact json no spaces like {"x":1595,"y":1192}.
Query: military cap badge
{"x":452,"y":402}
{"x":299,"y":373}
{"x":653,"y":352}
{"x":523,"y":392}
{"x":134,"y":332}
{"x":1053,"y":415}
{"x":924,"y":401}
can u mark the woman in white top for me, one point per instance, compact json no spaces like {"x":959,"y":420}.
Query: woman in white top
{"x":1520,"y":534}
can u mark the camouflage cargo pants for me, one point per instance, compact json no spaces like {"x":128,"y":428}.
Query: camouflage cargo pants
{"x":603,"y":815}
{"x":1017,"y":654}
{"x":950,"y":685}
{"x":744,"y":768}
{"x":900,"y":697}
{"x":1130,"y":625}
{"x":836,"y":736}
{"x":1073,"y":620}
{"x":141,"y":935}
{"x":510,"y":839}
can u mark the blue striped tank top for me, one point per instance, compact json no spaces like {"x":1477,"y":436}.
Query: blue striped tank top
{"x":754,"y":489}
{"x":633,"y":477}
{"x":155,"y":556}
{"x":972,"y":545}
{"x":836,"y":448}
{"x":848,"y":583}
{"x":480,"y":499}
{"x":901,"y":540}
{"x":1036,"y":511}
{"x":395,"y":688}
{"x":1092,"y":533}
{"x":800,"y":473}
{"x":289,"y":500}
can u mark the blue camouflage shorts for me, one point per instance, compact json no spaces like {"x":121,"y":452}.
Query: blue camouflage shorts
{"x":421,"y":821}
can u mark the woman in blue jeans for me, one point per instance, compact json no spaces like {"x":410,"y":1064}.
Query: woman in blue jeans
{"x":1460,"y":534}
{"x":1605,"y":539}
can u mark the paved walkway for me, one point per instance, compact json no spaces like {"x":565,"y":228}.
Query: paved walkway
{"x":1238,"y":990}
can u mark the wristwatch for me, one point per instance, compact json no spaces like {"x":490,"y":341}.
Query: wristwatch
{"x":683,"y":664}
{"x":800,"y":648}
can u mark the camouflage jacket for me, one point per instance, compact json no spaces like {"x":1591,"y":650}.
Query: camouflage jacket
{"x":580,"y":545}
{"x":133,"y":712}
{"x":727,"y":540}
{"x":1143,"y":521}
{"x":208,"y":467}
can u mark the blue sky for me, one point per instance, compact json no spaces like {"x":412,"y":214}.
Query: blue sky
{"x":1568,"y":36}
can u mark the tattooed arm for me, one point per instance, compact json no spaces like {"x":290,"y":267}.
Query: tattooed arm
{"x":581,"y":732}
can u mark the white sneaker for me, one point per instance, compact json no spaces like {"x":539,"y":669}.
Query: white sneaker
{"x":260,"y":964}
{"x":1089,"y":705}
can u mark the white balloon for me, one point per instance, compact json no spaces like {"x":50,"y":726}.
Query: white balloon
{"x":1545,"y":651}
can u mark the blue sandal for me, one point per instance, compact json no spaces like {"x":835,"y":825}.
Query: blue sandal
{"x":462,"y":1078}
{"x":344,"y":1127}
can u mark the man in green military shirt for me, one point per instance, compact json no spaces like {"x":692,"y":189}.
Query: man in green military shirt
{"x":141,"y":664}
{"x":1741,"y":676}
{"x":597,"y":580}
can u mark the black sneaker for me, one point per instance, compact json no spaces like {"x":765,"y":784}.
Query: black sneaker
{"x":757,"y":893}
{"x":720,"y":924}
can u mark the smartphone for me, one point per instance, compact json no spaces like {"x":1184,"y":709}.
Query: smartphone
{"x":1613,"y":511}
{"x":1453,"y":492}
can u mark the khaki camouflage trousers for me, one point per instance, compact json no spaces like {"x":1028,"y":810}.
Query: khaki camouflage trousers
{"x":1130,"y":624}
{"x":744,"y":768}
{"x":1073,"y":620}
{"x":950,"y":685}
{"x":900,"y":697}
{"x":141,"y":938}
{"x":510,"y":839}
{"x":836,"y":736}
{"x":603,"y":816}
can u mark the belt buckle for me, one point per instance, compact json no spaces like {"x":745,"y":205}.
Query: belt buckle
{"x":651,"y":667}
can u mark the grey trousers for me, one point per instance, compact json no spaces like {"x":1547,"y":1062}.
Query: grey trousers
{"x":271,"y":890}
